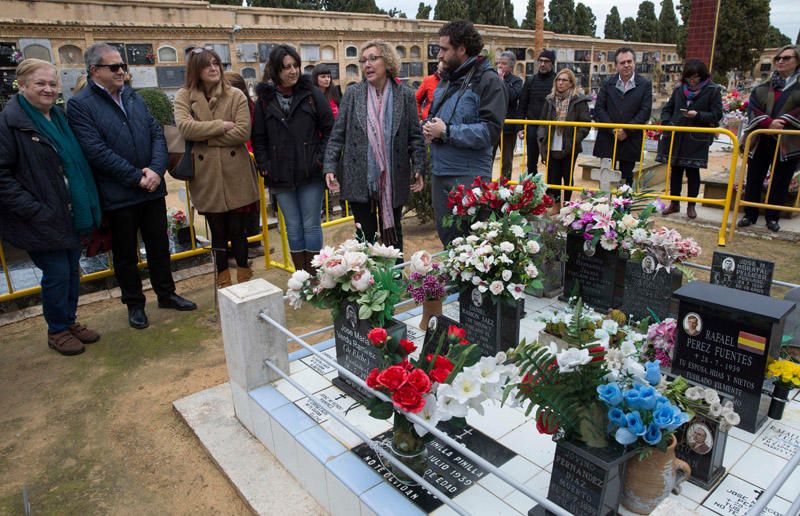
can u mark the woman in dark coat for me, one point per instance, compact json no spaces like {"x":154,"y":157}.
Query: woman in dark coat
{"x":379,"y":142}
{"x":291,"y":127}
{"x":563,"y":104}
{"x":48,"y":198}
{"x":695,"y":102}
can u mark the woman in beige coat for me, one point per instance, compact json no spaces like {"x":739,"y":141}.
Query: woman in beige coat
{"x":216,"y":117}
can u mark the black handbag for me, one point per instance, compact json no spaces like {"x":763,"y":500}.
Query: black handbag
{"x":184,"y":170}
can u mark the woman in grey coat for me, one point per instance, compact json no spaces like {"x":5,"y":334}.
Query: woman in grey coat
{"x":379,"y":143}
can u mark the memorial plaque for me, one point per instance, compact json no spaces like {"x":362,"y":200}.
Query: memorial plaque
{"x":171,"y":76}
{"x":140,"y":54}
{"x":492,"y":326}
{"x":724,"y":339}
{"x":437,"y":329}
{"x":264,"y":49}
{"x":648,"y":292}
{"x":735,"y":497}
{"x":144,"y":77}
{"x":586,"y":481}
{"x":330,"y":399}
{"x":6,"y":54}
{"x":447,"y":469}
{"x":742,"y":272}
{"x":318,"y":365}
{"x":779,"y":439}
{"x":433,"y":51}
{"x":594,"y":274}
{"x":355,"y":352}
{"x":701,"y":444}
{"x":247,"y":52}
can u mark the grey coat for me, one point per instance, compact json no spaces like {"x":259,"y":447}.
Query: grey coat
{"x":348,"y":143}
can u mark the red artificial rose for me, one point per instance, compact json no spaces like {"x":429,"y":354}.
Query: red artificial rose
{"x":372,"y":379}
{"x":420,"y":381}
{"x":546,"y":423}
{"x":393,"y":377}
{"x":408,"y":398}
{"x":408,"y":346}
{"x":442,"y":368}
{"x":377,"y":336}
{"x":454,"y":332}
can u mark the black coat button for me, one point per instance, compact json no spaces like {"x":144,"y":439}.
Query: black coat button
{"x":200,"y":157}
{"x":233,"y":153}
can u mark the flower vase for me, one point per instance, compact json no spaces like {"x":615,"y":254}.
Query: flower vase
{"x":780,"y":395}
{"x":429,"y":309}
{"x":649,"y":481}
{"x":409,"y":448}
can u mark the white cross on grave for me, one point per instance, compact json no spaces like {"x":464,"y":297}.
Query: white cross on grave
{"x":607,"y":176}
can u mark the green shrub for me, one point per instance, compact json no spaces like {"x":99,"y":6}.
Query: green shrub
{"x":158,"y":104}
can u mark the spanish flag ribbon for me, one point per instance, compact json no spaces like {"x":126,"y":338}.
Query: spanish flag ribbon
{"x":750,"y":342}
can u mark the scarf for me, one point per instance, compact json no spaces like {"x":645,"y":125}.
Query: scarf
{"x":561,"y":104}
{"x":284,"y":98}
{"x":690,"y":93}
{"x":379,"y":178}
{"x":85,"y":203}
{"x":779,"y":83}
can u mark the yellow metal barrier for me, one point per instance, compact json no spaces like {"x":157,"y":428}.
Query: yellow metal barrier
{"x":724,"y":203}
{"x":738,"y":202}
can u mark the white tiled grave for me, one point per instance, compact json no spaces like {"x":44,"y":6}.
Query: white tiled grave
{"x":317,"y":450}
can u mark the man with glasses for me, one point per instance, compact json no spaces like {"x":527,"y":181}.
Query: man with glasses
{"x":774,"y":104}
{"x":128,"y":154}
{"x":531,"y":102}
{"x":625,"y":98}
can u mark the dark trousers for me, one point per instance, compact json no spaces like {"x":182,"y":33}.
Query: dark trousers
{"x":757,"y":168}
{"x":228,"y":227}
{"x":626,"y":167}
{"x":692,"y":181}
{"x":558,"y":173}
{"x":366,"y":215}
{"x":440,"y":188}
{"x":61,"y":281}
{"x":509,"y":141}
{"x":150,"y":220}
{"x":533,"y":149}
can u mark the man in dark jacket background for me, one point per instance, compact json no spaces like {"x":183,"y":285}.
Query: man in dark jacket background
{"x":466,"y":117}
{"x":128,"y":154}
{"x":625,"y":98}
{"x":531,"y":102}
{"x":513,"y":86}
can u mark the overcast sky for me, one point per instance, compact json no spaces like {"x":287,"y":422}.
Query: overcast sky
{"x":784,"y":13}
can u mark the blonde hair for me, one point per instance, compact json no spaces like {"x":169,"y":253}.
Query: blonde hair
{"x":79,"y":84}
{"x":30,"y":65}
{"x":570,"y":76}
{"x":390,"y":57}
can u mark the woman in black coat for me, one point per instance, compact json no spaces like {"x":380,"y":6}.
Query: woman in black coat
{"x":695,"y":102}
{"x":48,"y":198}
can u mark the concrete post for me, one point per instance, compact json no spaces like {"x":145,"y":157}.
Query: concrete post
{"x":248,"y":340}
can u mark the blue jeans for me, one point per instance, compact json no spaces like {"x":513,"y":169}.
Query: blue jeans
{"x":60,"y":286}
{"x":302,"y":212}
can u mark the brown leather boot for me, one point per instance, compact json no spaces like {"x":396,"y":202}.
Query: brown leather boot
{"x":243,"y":274}
{"x":83,"y":334}
{"x":691,"y":212}
{"x":309,"y":256}
{"x":299,"y":260}
{"x":65,"y":343}
{"x":674,"y":207}
{"x":224,"y":279}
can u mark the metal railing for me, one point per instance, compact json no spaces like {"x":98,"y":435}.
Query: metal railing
{"x":739,"y":202}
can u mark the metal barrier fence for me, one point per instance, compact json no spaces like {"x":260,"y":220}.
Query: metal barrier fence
{"x":725,"y":203}
{"x":739,"y":202}
{"x":285,"y":263}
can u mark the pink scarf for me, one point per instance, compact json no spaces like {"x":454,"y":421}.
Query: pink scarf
{"x":377,"y":142}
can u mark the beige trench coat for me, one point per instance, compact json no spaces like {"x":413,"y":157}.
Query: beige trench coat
{"x":224,"y":176}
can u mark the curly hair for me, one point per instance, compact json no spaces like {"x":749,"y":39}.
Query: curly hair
{"x":463,"y":32}
{"x":388,"y":53}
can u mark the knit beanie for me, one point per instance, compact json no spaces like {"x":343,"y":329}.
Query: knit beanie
{"x":548,"y":54}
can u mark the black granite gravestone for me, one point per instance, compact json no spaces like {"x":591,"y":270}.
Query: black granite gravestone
{"x":742,"y":272}
{"x":447,"y":469}
{"x":171,"y":76}
{"x":492,"y":326}
{"x":792,"y":328}
{"x":355,"y":352}
{"x":437,"y":330}
{"x":593,"y":273}
{"x":648,"y":292}
{"x":701,"y":444}
{"x":586,"y":481}
{"x":724,"y":338}
{"x":139,"y":54}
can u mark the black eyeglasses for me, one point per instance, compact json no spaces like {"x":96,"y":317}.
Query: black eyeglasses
{"x":114,"y":67}
{"x":371,"y":59}
{"x":544,"y":60}
{"x":783,"y":58}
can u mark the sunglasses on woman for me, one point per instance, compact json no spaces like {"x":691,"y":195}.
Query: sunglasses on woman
{"x":116,"y":67}
{"x":783,"y":58}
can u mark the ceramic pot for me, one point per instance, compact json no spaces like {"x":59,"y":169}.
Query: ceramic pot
{"x":429,"y":309}
{"x":409,"y":448}
{"x":780,"y":395}
{"x":648,"y":482}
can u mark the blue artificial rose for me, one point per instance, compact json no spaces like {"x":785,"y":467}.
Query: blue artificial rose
{"x":653,"y":372}
{"x":617,"y":417}
{"x":632,"y":399}
{"x":662,"y":400}
{"x":678,"y":418}
{"x":635,"y":424}
{"x":653,"y":435}
{"x":647,"y":398}
{"x":624,"y":436}
{"x":610,"y":394}
{"x":662,"y":416}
